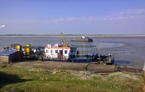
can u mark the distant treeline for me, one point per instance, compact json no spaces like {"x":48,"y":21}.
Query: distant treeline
{"x":71,"y":34}
{"x":74,"y":35}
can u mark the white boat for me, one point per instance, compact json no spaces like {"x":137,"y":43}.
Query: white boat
{"x":63,"y":52}
{"x":58,"y":52}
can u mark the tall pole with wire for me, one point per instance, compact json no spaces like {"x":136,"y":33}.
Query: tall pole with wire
{"x":100,"y":46}
{"x":65,"y":44}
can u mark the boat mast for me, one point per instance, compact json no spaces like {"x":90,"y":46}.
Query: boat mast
{"x":100,"y":46}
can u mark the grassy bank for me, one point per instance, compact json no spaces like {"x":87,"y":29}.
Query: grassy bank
{"x":29,"y":79}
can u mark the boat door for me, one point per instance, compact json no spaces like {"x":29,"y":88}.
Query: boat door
{"x":60,"y":53}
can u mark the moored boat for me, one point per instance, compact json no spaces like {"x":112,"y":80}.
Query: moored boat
{"x":83,"y":39}
{"x":29,"y":52}
{"x":58,"y":52}
{"x":64,"y":52}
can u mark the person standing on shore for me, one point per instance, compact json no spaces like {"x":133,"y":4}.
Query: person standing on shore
{"x":144,"y":78}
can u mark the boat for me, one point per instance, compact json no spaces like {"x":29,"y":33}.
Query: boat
{"x":58,"y":52}
{"x":64,"y":52}
{"x":29,"y":52}
{"x":83,"y":39}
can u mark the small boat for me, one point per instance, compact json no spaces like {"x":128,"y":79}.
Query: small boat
{"x":29,"y":52}
{"x":83,"y":39}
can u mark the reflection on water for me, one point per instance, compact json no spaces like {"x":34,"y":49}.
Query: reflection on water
{"x":122,"y":62}
{"x":111,"y":45}
{"x":125,"y":49}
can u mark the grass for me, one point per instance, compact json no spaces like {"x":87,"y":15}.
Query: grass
{"x":13,"y":79}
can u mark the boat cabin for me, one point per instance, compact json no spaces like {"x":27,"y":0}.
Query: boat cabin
{"x":59,"y":52}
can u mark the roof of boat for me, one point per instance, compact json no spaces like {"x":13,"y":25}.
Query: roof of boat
{"x":57,"y":47}
{"x":6,"y":53}
{"x":33,"y":47}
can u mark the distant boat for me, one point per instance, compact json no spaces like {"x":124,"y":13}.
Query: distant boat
{"x":83,"y":39}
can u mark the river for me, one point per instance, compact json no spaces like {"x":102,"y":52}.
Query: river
{"x":126,"y":51}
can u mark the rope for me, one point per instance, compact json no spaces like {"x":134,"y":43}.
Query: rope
{"x":100,"y":47}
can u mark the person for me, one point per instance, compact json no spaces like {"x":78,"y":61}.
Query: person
{"x":77,"y":53}
{"x":144,"y":78}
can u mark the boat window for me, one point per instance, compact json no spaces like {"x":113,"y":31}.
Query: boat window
{"x":51,"y":51}
{"x":47,"y":51}
{"x":38,"y":50}
{"x":65,"y":51}
{"x":41,"y":49}
{"x":73,"y":50}
{"x":56,"y":51}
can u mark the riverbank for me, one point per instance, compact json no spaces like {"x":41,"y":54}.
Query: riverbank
{"x":76,"y":36}
{"x":93,"y":67}
{"x":29,"y":78}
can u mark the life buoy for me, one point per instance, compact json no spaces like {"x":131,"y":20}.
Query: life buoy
{"x":62,"y":56}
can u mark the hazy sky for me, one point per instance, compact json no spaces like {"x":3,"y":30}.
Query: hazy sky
{"x":72,"y":16}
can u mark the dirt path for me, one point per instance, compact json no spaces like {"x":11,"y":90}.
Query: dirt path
{"x":64,"y":65}
{"x":77,"y":66}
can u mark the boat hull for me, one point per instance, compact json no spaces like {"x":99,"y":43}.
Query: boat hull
{"x":84,"y":59}
{"x":81,"y":40}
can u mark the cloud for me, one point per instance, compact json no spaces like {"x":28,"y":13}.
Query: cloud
{"x":57,"y":20}
{"x":2,"y":26}
{"x":130,"y":12}
{"x":127,"y":14}
{"x":137,"y":11}
{"x":77,"y":19}
{"x":116,"y":18}
{"x":124,"y":14}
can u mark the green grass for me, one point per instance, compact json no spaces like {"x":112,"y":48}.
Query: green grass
{"x":14,"y":79}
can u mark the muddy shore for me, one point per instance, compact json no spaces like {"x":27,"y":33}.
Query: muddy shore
{"x":96,"y":68}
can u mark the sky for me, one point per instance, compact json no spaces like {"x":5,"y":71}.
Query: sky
{"x":72,"y":16}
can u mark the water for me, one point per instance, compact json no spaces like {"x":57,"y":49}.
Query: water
{"x":127,"y":51}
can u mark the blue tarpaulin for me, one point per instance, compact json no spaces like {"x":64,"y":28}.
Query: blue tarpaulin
{"x":6,"y":53}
